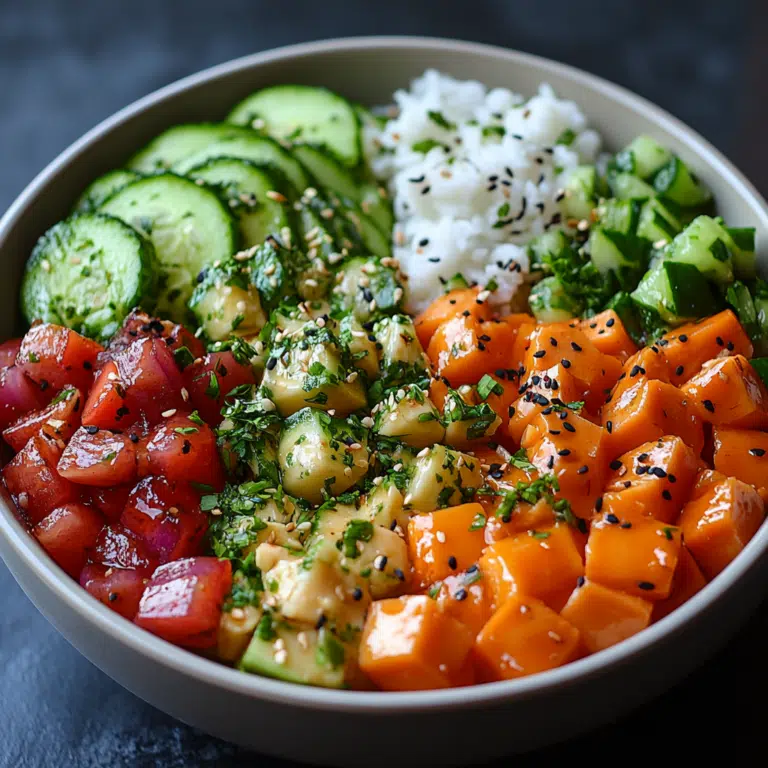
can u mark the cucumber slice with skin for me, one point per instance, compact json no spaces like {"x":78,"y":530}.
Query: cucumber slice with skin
{"x":550,"y":303}
{"x":248,"y":146}
{"x":643,"y":157}
{"x":657,"y":222}
{"x":178,"y":142}
{"x":739,"y":298}
{"x":625,"y":186}
{"x":548,"y":244}
{"x":705,"y":244}
{"x":189,"y":227}
{"x":102,"y":188}
{"x":624,"y":255}
{"x":676,"y":182}
{"x":580,"y":192}
{"x":742,"y":246}
{"x":245,"y":186}
{"x":620,"y":215}
{"x":375,"y":202}
{"x":677,"y":291}
{"x":304,"y":113}
{"x":87,"y":273}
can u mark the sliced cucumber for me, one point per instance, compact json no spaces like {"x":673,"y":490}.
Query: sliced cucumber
{"x":246,"y":188}
{"x":102,"y":188}
{"x":549,"y":244}
{"x":375,"y":202}
{"x":248,"y":146}
{"x":327,"y":171}
{"x":657,"y":222}
{"x":580,"y":192}
{"x":677,"y":291}
{"x":304,"y":113}
{"x":739,"y":298}
{"x":742,"y":246}
{"x":626,"y":308}
{"x":620,"y":215}
{"x":188,"y":225}
{"x":643,"y":157}
{"x":550,"y":303}
{"x":178,"y":142}
{"x":624,"y":255}
{"x":704,"y":243}
{"x":87,"y":272}
{"x":676,"y":182}
{"x":625,"y":186}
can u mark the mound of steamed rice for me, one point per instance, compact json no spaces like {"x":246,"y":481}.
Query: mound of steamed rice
{"x":475,"y":174}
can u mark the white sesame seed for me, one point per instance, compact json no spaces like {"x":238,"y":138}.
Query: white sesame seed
{"x":23,"y":499}
{"x":524,"y":608}
{"x":408,"y":499}
{"x":557,"y":638}
{"x":276,"y":196}
{"x":216,"y":512}
{"x":258,"y":124}
{"x":173,"y":511}
{"x":422,"y":453}
{"x":281,"y":656}
{"x":238,"y":614}
{"x":397,"y":467}
{"x":267,"y":404}
{"x":46,"y":265}
{"x":184,"y":394}
{"x":440,"y":536}
{"x":167,"y":414}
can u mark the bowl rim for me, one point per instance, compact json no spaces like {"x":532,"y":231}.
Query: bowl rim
{"x":214,"y":673}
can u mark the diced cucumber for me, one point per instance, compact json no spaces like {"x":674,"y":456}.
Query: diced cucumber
{"x":189,"y":227}
{"x":87,"y":272}
{"x":657,"y":222}
{"x":249,"y":145}
{"x":303,"y":662}
{"x":625,"y":186}
{"x":760,"y":364}
{"x":245,"y":187}
{"x":180,"y":141}
{"x":677,"y":291}
{"x":328,"y":172}
{"x":626,"y":308}
{"x":580,"y":192}
{"x":739,"y":298}
{"x":456,"y":283}
{"x":761,"y":311}
{"x":548,"y":244}
{"x":675,"y":181}
{"x":643,"y":157}
{"x":102,"y":188}
{"x":620,"y":215}
{"x":304,"y":113}
{"x":704,"y":243}
{"x":742,"y":246}
{"x":550,"y":303}
{"x":375,"y":202}
{"x":365,"y":281}
{"x":624,"y":255}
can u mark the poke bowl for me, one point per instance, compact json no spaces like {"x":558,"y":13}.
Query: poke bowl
{"x":388,"y":383}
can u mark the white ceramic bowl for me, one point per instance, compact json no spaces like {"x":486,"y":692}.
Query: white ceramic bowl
{"x":454,"y":727}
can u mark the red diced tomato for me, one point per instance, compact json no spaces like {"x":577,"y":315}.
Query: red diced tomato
{"x":59,"y":356}
{"x":33,"y":480}
{"x":166,"y":516}
{"x":59,"y":419}
{"x":139,"y":325}
{"x":118,"y":589}
{"x":110,"y":501}
{"x":183,"y":450}
{"x":118,"y":547}
{"x":98,"y":457}
{"x":143,"y":380}
{"x":182,"y":602}
{"x":18,"y":395}
{"x":67,"y":533}
{"x":210,"y":380}
{"x":8,"y":351}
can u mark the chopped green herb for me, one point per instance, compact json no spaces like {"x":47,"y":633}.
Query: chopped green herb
{"x":478,"y":522}
{"x":439,"y":119}
{"x":487,"y":386}
{"x":183,"y":357}
{"x":213,"y":390}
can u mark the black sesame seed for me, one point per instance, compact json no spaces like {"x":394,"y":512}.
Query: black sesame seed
{"x":625,"y":525}
{"x":461,"y":594}
{"x":380,"y":563}
{"x":87,"y":365}
{"x":91,"y":429}
{"x":683,"y":338}
{"x":540,"y":353}
{"x":452,"y":563}
{"x":647,"y":585}
{"x":671,"y":478}
{"x":642,"y":457}
{"x":729,"y":346}
{"x":186,"y":447}
{"x":424,"y":242}
{"x":627,"y":483}
{"x":550,"y":462}
{"x":658,"y":471}
{"x":357,"y":594}
{"x":709,"y":405}
{"x":133,"y":438}
{"x":719,"y":340}
{"x":481,"y":346}
{"x":425,"y":191}
{"x":611,"y":518}
{"x":598,"y":503}
{"x":666,"y":495}
{"x":569,"y":426}
{"x":610,"y":322}
{"x":575,"y":347}
{"x":580,"y":581}
{"x":320,"y":623}
{"x":679,"y":370}
{"x":399,"y":575}
{"x":757,"y":451}
{"x":582,"y":470}
{"x":271,"y":363}
{"x":636,"y":369}
{"x":43,"y":385}
{"x":615,"y":464}
{"x":112,"y":596}
{"x":609,"y":427}
{"x":565,"y":363}
{"x":641,"y":470}
{"x":564,"y":452}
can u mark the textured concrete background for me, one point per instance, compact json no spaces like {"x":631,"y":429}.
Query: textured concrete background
{"x":66,"y":64}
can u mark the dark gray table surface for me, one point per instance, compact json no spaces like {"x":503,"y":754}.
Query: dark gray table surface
{"x":66,"y":64}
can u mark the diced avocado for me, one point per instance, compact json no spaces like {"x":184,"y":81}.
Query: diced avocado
{"x":550,"y":303}
{"x":311,"y":367}
{"x":643,"y":157}
{"x":361,"y":345}
{"x":704,"y":243}
{"x":318,"y":452}
{"x":580,"y":192}
{"x":235,"y":632}
{"x":403,"y":360}
{"x":368,"y":289}
{"x":223,"y":309}
{"x":409,"y":414}
{"x":468,"y":421}
{"x":382,"y":562}
{"x":440,"y":478}
{"x":297,"y":654}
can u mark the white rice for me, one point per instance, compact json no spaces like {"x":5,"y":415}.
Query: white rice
{"x":471,"y":208}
